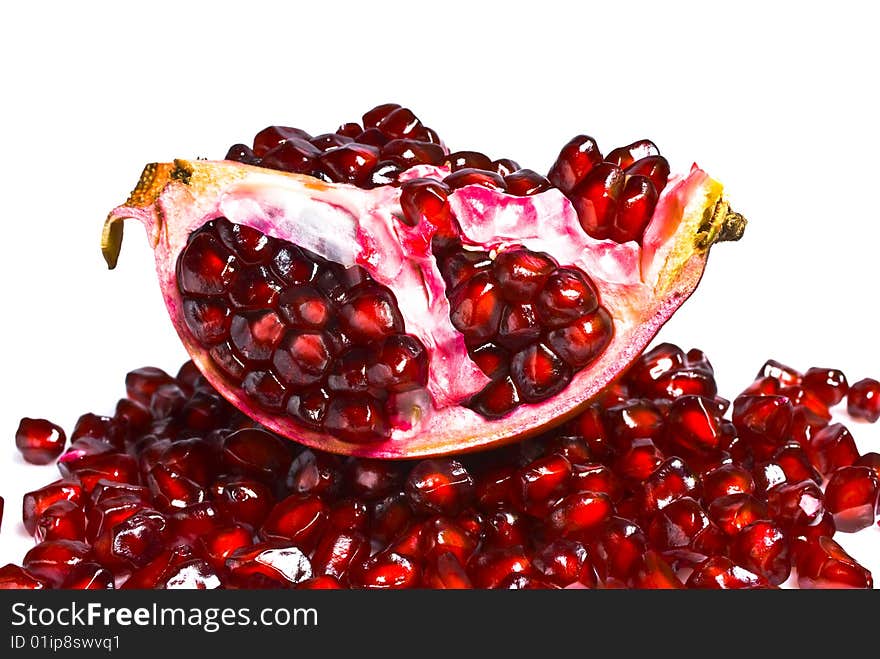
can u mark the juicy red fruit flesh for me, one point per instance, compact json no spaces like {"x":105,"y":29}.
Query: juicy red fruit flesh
{"x":605,"y":501}
{"x":39,"y":441}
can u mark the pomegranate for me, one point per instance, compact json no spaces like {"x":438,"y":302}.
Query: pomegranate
{"x":646,"y":488}
{"x":366,"y":292}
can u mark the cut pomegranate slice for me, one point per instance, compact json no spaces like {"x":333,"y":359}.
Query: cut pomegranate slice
{"x":374,"y":298}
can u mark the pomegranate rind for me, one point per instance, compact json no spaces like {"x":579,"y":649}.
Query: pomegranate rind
{"x":174,"y":199}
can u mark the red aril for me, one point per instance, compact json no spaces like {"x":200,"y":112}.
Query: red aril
{"x":39,"y":441}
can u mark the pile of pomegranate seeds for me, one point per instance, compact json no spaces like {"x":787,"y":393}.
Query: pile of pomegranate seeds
{"x":650,"y":487}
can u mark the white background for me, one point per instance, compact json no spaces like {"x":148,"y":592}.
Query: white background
{"x":778,"y":101}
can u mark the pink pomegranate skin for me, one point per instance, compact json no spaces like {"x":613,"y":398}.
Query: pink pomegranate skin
{"x":641,"y":285}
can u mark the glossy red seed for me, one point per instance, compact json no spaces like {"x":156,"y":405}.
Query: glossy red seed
{"x":272,"y":136}
{"x":337,"y":552}
{"x":831,"y":448}
{"x":584,"y":339}
{"x":408,"y":152}
{"x":574,"y":162}
{"x":720,"y":573}
{"x":446,"y":573}
{"x":824,"y":564}
{"x":763,"y":422}
{"x":386,"y":570}
{"x":616,"y":549}
{"x":638,"y":460}
{"x":441,"y":485}
{"x":39,"y":441}
{"x":256,"y":453}
{"x":522,"y":273}
{"x":655,"y":168}
{"x":472,"y":176}
{"x":538,"y":373}
{"x":53,"y":560}
{"x":579,"y":513}
{"x":489,"y":569}
{"x":683,"y":531}
{"x":596,"y":199}
{"x":301,"y":519}
{"x":671,"y":480}
{"x":476,"y":307}
{"x":828,"y":384}
{"x":425,"y":200}
{"x":863,"y":400}
{"x":244,"y":500}
{"x":525,"y":182}
{"x":654,"y":573}
{"x":763,"y":548}
{"x":268,"y":564}
{"x":544,"y":477}
{"x":14,"y":577}
{"x":356,"y":419}
{"x":566,"y":295}
{"x":637,"y":201}
{"x":467,"y":160}
{"x":725,"y":480}
{"x":564,"y":562}
{"x":799,"y":503}
{"x":733,"y":512}
{"x":851,"y":496}
{"x":63,"y":520}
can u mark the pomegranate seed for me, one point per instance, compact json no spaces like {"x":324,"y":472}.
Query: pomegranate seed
{"x":574,"y":162}
{"x":316,"y":473}
{"x":272,"y":136}
{"x":762,"y":548}
{"x":425,"y":200}
{"x":655,"y":573}
{"x":256,"y":453}
{"x":564,"y":562}
{"x":267,"y":565}
{"x":824,"y":564}
{"x":851,"y":496}
{"x":447,"y":574}
{"x":579,"y":513}
{"x":638,"y":460}
{"x":386,"y":570}
{"x":323,"y":582}
{"x":719,"y":572}
{"x":467,"y":160}
{"x":596,"y":199}
{"x":489,"y":569}
{"x":544,"y":477}
{"x":53,"y":560}
{"x":654,"y":167}
{"x":567,"y":295}
{"x":89,"y":576}
{"x":63,"y":520}
{"x":439,"y":536}
{"x":39,"y":441}
{"x":244,"y":500}
{"x":682,"y":530}
{"x":671,"y":480}
{"x":13,"y":577}
{"x":408,"y":152}
{"x":442,"y":486}
{"x":638,"y":199}
{"x":798,"y":503}
{"x":828,"y":384}
{"x":734,"y":512}
{"x":694,"y":424}
{"x":831,"y":448}
{"x":725,"y":480}
{"x":525,"y":182}
{"x":863,"y":400}
{"x":784,"y":375}
{"x":538,"y":373}
{"x":221,"y":543}
{"x":762,"y":422}
{"x":299,"y":518}
{"x":336,"y":553}
{"x":505,"y":528}
{"x":871,"y":460}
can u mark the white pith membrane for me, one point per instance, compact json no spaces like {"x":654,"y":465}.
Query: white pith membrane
{"x":640,"y":286}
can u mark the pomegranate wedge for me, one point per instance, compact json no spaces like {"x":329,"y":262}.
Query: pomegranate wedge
{"x":369,"y":293}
